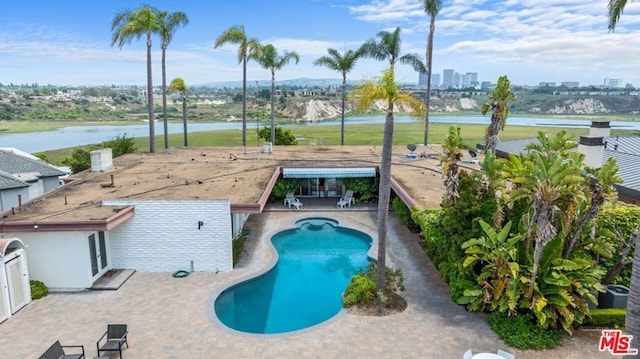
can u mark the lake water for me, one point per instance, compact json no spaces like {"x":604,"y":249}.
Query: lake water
{"x":83,"y":135}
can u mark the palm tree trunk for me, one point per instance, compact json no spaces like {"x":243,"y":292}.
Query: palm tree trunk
{"x":492,"y":133}
{"x":384,"y":193}
{"x":152,"y":129}
{"x":244,"y":101}
{"x":632,"y":321}
{"x":429,"y":62}
{"x":164,"y":97}
{"x":184,"y":118}
{"x":344,"y":94}
{"x":273,"y":94}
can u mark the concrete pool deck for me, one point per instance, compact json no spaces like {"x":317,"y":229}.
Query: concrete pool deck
{"x":173,"y":318}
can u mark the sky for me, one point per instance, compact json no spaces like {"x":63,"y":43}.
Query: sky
{"x":68,"y":42}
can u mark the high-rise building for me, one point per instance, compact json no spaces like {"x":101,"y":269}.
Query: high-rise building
{"x":612,"y":83}
{"x":570,"y":84}
{"x":435,"y":81}
{"x":447,"y":78}
{"x":422,"y":79}
{"x":457,"y":80}
{"x":485,"y":85}
{"x":473,"y":79}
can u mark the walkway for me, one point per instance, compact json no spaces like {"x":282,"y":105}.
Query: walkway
{"x":172,"y":318}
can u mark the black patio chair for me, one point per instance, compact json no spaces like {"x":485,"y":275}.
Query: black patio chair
{"x":113,"y":339}
{"x":57,"y":351}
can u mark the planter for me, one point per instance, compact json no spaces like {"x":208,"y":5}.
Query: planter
{"x":614,"y":297}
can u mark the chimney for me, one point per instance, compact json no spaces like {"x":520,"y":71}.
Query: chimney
{"x":592,"y":147}
{"x":600,"y":129}
{"x":101,"y":160}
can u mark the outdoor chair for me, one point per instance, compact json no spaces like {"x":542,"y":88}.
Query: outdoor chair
{"x":347,"y":198}
{"x":468,"y":354}
{"x":57,"y":351}
{"x":114,"y":338}
{"x":505,"y":354}
{"x":292,"y":201}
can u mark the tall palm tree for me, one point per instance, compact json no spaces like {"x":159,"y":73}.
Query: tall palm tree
{"x":343,"y":64}
{"x":127,"y":25}
{"x":387,"y":89}
{"x":500,"y":111}
{"x":168,"y":24}
{"x":387,"y":49}
{"x":632,"y":321}
{"x":431,"y":7}
{"x":248,"y":48}
{"x":272,"y":61}
{"x":178,"y":85}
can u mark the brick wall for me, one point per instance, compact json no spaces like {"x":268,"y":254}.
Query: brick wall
{"x":163,"y":236}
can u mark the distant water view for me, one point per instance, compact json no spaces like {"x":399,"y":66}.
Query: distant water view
{"x":84,"y":135}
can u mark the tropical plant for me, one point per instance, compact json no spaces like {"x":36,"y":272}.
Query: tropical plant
{"x":500,"y":111}
{"x":343,"y":64}
{"x":272,"y":61}
{"x":451,"y":155}
{"x":248,"y":48}
{"x":178,"y":85}
{"x":499,"y":274}
{"x":127,"y":25}
{"x":365,"y":94}
{"x":617,"y":225}
{"x":388,"y":49}
{"x":545,"y":183}
{"x":431,"y":7}
{"x":168,"y":23}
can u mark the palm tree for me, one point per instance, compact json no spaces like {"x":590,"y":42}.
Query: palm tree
{"x":500,"y":110}
{"x":451,"y":155}
{"x":168,"y":23}
{"x":248,"y":48}
{"x":387,"y":89}
{"x":431,"y":7}
{"x":271,"y":60}
{"x":632,"y":321}
{"x":387,"y":49}
{"x":178,"y":85}
{"x":545,"y":182}
{"x":130,"y":24}
{"x":343,"y":64}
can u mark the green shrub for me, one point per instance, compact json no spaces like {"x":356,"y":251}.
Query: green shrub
{"x":38,"y":289}
{"x":404,"y":214}
{"x":522,"y":332}
{"x":394,"y":280}
{"x":364,"y":189}
{"x":361,"y":289}
{"x":284,"y":186}
{"x":609,"y":317}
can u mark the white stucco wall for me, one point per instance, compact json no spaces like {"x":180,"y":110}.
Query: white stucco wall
{"x":59,"y":259}
{"x":50,"y":183}
{"x":9,"y":197}
{"x":163,"y":236}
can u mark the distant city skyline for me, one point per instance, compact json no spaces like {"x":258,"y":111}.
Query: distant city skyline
{"x":530,"y":42}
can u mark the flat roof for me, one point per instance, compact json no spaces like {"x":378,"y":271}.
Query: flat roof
{"x":232,"y":173}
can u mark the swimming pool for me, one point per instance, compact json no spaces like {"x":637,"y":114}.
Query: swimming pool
{"x":316,"y":262}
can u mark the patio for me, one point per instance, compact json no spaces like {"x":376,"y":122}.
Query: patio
{"x":173,"y":318}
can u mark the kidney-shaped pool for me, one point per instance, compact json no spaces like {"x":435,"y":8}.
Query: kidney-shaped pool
{"x":316,"y":261}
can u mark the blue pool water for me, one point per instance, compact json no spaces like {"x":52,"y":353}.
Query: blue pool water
{"x":316,"y":262}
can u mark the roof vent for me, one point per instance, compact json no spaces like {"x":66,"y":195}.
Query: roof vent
{"x":101,"y":160}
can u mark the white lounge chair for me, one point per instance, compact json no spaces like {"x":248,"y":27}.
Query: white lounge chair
{"x":468,"y":354}
{"x":347,"y":198}
{"x":292,"y":201}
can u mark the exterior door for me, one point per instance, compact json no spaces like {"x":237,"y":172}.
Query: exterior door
{"x":5,"y":309}
{"x":18,"y":283}
{"x":98,"y":253}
